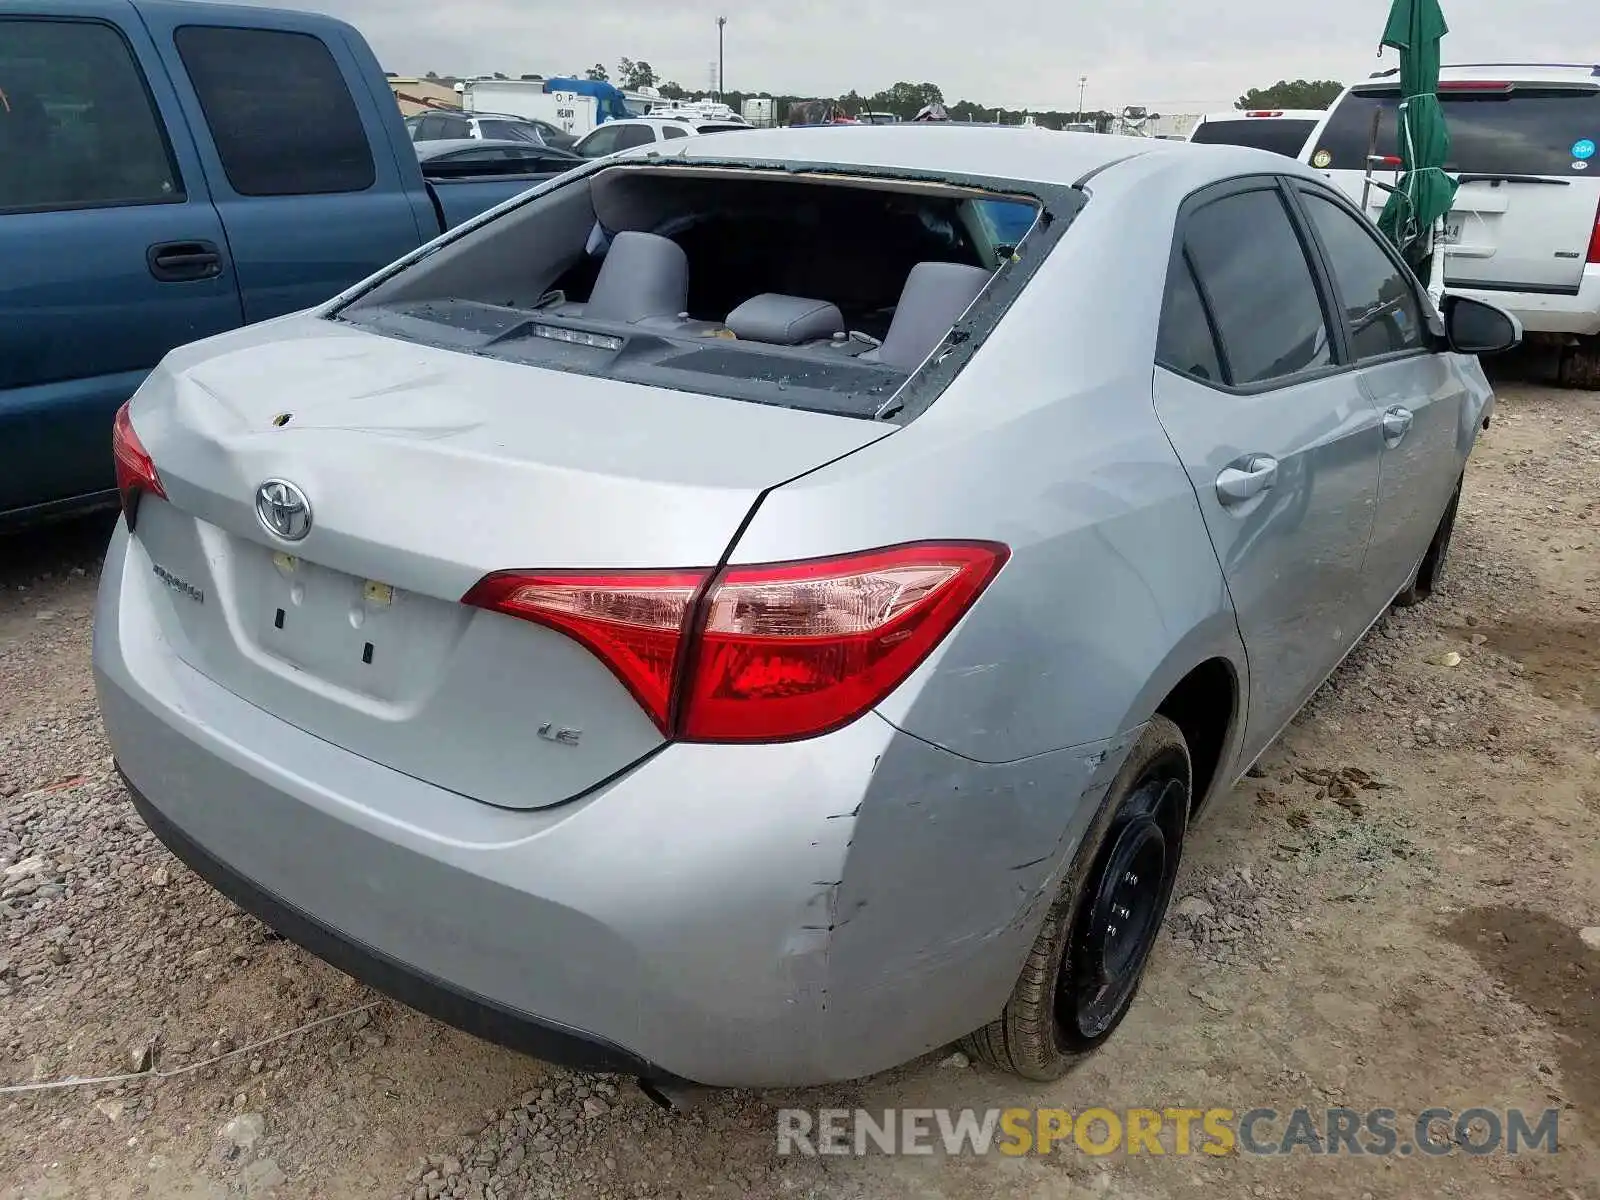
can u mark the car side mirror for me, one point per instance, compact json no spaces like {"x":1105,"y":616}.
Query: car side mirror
{"x":1478,"y":327}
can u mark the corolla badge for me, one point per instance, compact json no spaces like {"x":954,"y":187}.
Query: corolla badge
{"x":283,"y":510}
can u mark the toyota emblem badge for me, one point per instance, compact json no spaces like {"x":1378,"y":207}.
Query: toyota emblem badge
{"x":283,"y":510}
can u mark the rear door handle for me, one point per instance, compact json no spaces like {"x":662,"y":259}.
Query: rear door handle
{"x":1396,"y":424}
{"x":1247,"y":478}
{"x":183,"y":262}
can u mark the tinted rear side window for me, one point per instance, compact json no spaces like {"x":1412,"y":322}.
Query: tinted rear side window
{"x":1526,"y":132}
{"x":1381,"y":310}
{"x":1281,"y":135}
{"x":1186,"y":343}
{"x":250,"y":82}
{"x":1259,"y":285}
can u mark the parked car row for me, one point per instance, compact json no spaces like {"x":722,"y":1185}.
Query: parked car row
{"x":608,"y":138}
{"x":1524,"y":231}
{"x":451,"y":126}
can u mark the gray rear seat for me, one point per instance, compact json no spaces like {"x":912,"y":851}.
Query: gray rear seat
{"x":643,"y":275}
{"x":785,"y":320}
{"x":935,"y":295}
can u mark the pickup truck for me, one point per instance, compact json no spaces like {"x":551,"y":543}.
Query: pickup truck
{"x":170,"y":170}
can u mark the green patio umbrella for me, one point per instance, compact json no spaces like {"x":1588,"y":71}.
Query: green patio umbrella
{"x":1425,"y":192}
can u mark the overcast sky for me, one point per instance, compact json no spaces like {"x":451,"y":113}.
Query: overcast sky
{"x":1173,"y":56}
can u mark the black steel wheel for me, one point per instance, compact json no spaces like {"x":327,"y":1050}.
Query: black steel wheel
{"x":1083,"y":973}
{"x":1131,"y":890}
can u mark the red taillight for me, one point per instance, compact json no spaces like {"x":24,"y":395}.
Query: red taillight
{"x":136,"y":474}
{"x":1474,"y":85}
{"x":1594,"y":240}
{"x":797,"y":649}
{"x":634,"y":622}
{"x":760,"y":653}
{"x":1263,"y":114}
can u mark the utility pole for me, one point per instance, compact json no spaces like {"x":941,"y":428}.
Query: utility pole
{"x":721,"y":21}
{"x":1083,"y":82}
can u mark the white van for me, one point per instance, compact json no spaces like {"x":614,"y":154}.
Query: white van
{"x":1525,"y":229}
{"x":1281,"y":130}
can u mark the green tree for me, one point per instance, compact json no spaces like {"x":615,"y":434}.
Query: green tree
{"x":672,"y":91}
{"x":635,"y":75}
{"x":1301,"y":93}
{"x":597,"y":73}
{"x":905,"y":99}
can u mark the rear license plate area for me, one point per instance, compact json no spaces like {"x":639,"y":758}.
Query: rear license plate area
{"x":337,"y":627}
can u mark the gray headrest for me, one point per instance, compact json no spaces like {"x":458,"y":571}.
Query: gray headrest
{"x":643,"y":275}
{"x":935,"y":295}
{"x":784,"y":320}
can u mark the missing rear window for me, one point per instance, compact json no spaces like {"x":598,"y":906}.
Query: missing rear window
{"x":803,"y":289}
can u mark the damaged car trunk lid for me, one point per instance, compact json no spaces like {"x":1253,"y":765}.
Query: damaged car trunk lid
{"x":422,"y":470}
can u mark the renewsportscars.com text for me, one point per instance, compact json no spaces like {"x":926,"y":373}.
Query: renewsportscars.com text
{"x":1380,"y":1132}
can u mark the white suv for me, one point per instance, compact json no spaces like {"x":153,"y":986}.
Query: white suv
{"x":1525,"y":229}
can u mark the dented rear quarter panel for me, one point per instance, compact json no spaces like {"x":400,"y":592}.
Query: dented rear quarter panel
{"x":1047,"y":440}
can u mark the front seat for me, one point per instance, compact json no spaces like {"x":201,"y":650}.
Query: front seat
{"x":935,"y":295}
{"x":643,"y":275}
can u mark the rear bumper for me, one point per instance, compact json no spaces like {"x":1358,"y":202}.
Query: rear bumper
{"x":726,"y":915}
{"x":1539,"y":313}
{"x":474,"y":1014}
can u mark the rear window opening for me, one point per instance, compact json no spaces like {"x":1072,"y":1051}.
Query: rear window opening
{"x":1520,"y":130}
{"x":1281,"y":135}
{"x":807,"y":290}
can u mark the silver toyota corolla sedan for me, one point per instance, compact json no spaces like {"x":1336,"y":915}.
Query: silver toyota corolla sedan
{"x":760,"y":608}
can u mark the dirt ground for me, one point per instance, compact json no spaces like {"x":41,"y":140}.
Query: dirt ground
{"x":1400,"y":911}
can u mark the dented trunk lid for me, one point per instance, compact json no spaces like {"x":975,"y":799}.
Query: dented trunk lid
{"x":426,"y":469}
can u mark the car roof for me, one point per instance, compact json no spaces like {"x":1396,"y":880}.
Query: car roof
{"x":1265,"y":114}
{"x":492,"y":116}
{"x":1512,"y":72}
{"x":469,"y":116}
{"x":652,"y":122}
{"x":945,"y":148}
{"x":440,"y":146}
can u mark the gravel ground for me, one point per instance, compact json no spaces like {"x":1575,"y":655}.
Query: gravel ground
{"x":1398,"y":908}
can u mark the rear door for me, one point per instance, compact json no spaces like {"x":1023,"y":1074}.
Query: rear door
{"x":1530,"y":183}
{"x":312,"y":201}
{"x":1276,"y":434}
{"x":1423,"y":403}
{"x":111,"y":252}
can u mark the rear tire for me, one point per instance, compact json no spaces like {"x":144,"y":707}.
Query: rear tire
{"x":1579,"y":366}
{"x":1083,"y":973}
{"x":1430,"y":571}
